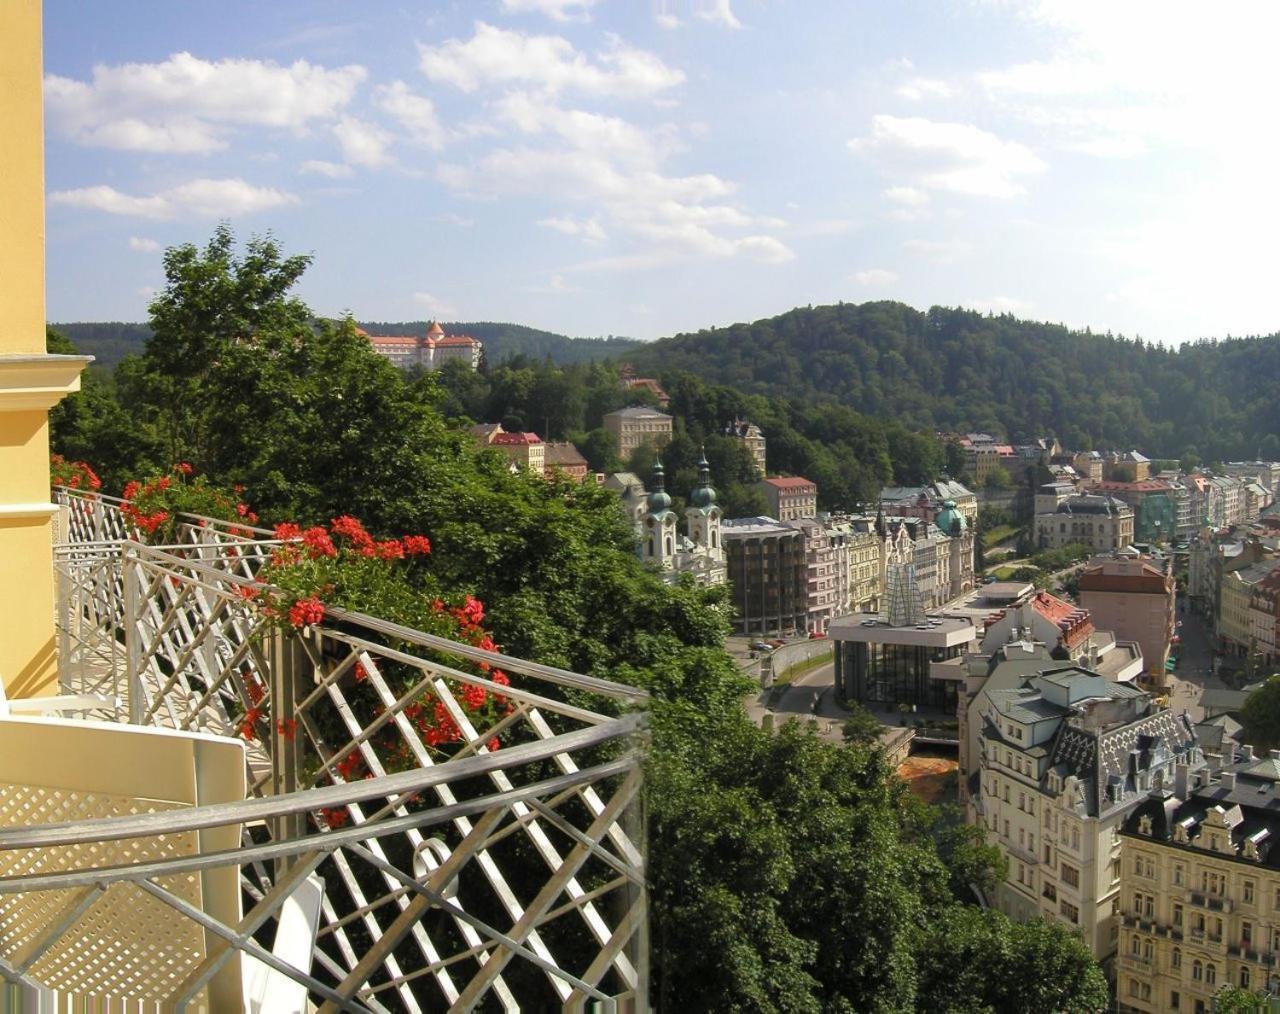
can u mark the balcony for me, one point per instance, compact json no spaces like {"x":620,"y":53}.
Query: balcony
{"x":505,"y":870}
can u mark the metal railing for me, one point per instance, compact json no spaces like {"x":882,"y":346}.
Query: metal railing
{"x":480,"y":840}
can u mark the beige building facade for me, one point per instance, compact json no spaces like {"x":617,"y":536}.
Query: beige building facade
{"x":790,"y":498}
{"x":1200,"y":889}
{"x":632,"y":427}
{"x":1135,"y":599}
{"x":1102,"y":523}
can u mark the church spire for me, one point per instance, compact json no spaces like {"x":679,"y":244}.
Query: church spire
{"x":704,"y":495}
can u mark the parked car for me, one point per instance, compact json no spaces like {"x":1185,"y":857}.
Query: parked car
{"x":760,"y":645}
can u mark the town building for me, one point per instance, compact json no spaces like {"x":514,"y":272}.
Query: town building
{"x":524,"y":449}
{"x":768,"y":576}
{"x":750,"y":434}
{"x":1155,"y":513}
{"x":700,"y":551}
{"x":1126,"y":466}
{"x":1136,"y":600}
{"x":1063,"y":759}
{"x":430,"y":351}
{"x":1264,"y":473}
{"x":982,"y":455}
{"x":631,"y":493}
{"x":926,"y":501}
{"x":1227,"y":506}
{"x":826,"y":598}
{"x":1235,"y":625}
{"x":631,"y":427}
{"x":866,"y":578}
{"x":1065,"y":628}
{"x":1264,"y":618}
{"x":631,"y":382}
{"x":1102,"y":523}
{"x":565,"y":459}
{"x":1200,"y":886}
{"x":790,"y":498}
{"x":1089,"y":465}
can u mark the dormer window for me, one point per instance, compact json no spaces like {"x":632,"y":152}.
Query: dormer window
{"x":1144,"y":826}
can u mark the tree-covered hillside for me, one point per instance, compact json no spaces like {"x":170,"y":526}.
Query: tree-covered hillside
{"x":955,"y":369}
{"x":111,"y":341}
{"x":506,"y":341}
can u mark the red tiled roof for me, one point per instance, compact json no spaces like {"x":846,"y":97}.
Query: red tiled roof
{"x":795,"y":483}
{"x":456,"y":339}
{"x":1072,"y":621}
{"x":517,"y":438}
{"x":1142,"y":486}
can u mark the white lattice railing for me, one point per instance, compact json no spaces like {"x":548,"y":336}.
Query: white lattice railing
{"x":479,"y":841}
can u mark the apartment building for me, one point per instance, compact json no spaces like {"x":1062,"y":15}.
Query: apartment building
{"x":826,"y":598}
{"x":790,"y":498}
{"x":752,"y":436}
{"x":430,"y":351}
{"x":768,"y":575}
{"x":524,"y":449}
{"x":1264,"y":617}
{"x":928,"y":500}
{"x":1063,"y":760}
{"x":1135,"y":599}
{"x":1200,"y":887}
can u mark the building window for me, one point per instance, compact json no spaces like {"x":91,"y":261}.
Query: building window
{"x":1070,"y":875}
{"x":1175,"y":959}
{"x":1177,"y":915}
{"x":1177,"y":874}
{"x":1175,"y":1001}
{"x":1197,"y":970}
{"x":1069,"y":911}
{"x":1210,"y":975}
{"x":1248,"y":892}
{"x":1244,"y":978}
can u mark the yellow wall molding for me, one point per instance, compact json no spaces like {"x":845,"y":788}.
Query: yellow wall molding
{"x":30,"y":382}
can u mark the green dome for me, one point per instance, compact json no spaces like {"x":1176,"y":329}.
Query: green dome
{"x":949,"y":519}
{"x":659,"y":500}
{"x":703,"y":496}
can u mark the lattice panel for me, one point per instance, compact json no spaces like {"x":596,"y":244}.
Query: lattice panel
{"x":149,"y":947}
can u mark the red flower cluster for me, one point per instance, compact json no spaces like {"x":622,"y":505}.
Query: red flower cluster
{"x":249,"y":724}
{"x":416,"y":545}
{"x":361,"y":674}
{"x":158,"y":501}
{"x":352,"y":530}
{"x":288,"y":728}
{"x":73,"y":474}
{"x":306,"y":612}
{"x":287,"y":531}
{"x":183,"y":467}
{"x":318,"y":543}
{"x":336,"y":816}
{"x":351,"y":766}
{"x":474,"y":697}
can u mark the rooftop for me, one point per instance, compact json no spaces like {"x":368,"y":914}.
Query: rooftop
{"x":791,"y":483}
{"x":935,"y":632}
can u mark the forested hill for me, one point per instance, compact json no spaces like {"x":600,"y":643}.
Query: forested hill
{"x":506,"y":341}
{"x":955,"y":369}
{"x":111,"y":342}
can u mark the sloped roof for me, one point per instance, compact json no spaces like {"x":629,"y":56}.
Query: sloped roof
{"x":793,"y":483}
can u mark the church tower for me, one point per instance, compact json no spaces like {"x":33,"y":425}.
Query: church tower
{"x":658,"y":526}
{"x":703,"y":520}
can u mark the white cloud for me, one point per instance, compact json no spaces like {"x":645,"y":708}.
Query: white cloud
{"x":363,"y":143}
{"x":765,"y":249}
{"x":202,"y":198}
{"x":911,"y":197}
{"x":942,"y":251}
{"x":918,"y":88}
{"x":495,"y":56}
{"x":955,"y":157}
{"x":589,"y":229}
{"x":603,"y":136}
{"x":665,"y":20}
{"x":450,"y":218}
{"x":143,"y":245}
{"x":414,"y":112}
{"x":434,"y":305}
{"x":333,"y":170}
{"x":556,"y":10}
{"x":185,"y":104}
{"x":555,"y":286}
{"x":875,"y":278}
{"x":719,"y":12}
{"x":997,"y":305}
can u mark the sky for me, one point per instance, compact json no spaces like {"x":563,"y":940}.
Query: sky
{"x":646,"y":167}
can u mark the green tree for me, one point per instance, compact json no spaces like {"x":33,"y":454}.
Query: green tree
{"x":1260,"y":715}
{"x":861,"y":726}
{"x":999,"y":478}
{"x":979,"y":960}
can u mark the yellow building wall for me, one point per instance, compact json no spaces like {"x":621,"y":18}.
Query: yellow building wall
{"x":30,"y":381}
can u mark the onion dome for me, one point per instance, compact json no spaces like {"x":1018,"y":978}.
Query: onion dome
{"x":950,"y":520}
{"x":658,"y":501}
{"x":703,"y":495}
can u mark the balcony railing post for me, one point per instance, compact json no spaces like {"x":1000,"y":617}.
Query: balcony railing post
{"x":130,"y":578}
{"x":286,"y":657}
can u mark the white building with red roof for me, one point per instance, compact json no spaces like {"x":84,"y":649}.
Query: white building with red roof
{"x":430,"y":351}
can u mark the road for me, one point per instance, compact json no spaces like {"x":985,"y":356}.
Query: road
{"x":809,"y":695}
{"x":1195,"y":665}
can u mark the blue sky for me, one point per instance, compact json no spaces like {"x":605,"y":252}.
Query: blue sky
{"x":653,"y":166}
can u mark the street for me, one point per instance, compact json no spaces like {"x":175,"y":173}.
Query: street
{"x":1195,"y":665}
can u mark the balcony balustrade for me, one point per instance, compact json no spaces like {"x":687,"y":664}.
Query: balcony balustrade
{"x":504,"y":870}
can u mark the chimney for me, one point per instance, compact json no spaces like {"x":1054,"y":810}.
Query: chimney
{"x":1229,"y":780}
{"x":1180,"y":772}
{"x":1246,"y":752}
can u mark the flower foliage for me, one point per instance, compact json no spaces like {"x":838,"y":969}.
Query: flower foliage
{"x":154,"y":504}
{"x":75,"y":475}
